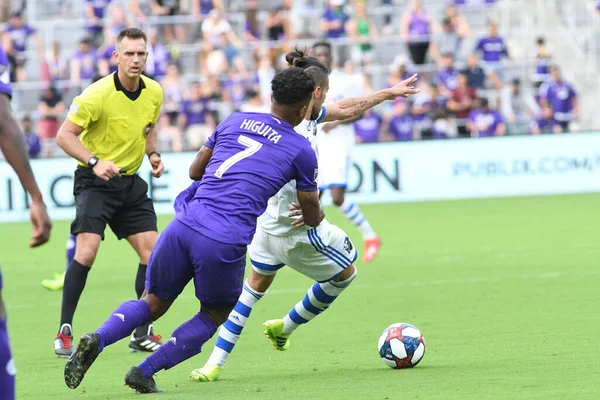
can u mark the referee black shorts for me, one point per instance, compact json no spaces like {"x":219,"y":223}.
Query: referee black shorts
{"x":122,"y":203}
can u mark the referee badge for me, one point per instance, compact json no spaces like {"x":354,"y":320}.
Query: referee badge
{"x":147,"y":129}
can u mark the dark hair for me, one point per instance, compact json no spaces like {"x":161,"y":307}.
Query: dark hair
{"x":483,"y":102}
{"x":540,"y":40}
{"x":300,"y":58}
{"x":251,"y":93}
{"x":292,"y":86}
{"x":318,"y":74}
{"x":131,"y":33}
{"x":322,"y":43}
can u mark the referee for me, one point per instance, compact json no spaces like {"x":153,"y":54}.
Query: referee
{"x":116,"y":118}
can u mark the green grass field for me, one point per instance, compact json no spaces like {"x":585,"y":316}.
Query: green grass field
{"x":505,"y":292}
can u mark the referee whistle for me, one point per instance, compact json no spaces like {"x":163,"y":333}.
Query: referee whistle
{"x":122,"y":171}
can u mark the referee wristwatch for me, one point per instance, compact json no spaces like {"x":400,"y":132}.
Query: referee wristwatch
{"x":92,"y":161}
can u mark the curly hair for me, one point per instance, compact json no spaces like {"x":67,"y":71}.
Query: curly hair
{"x":292,"y":86}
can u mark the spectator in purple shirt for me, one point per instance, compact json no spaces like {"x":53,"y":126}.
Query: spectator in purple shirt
{"x":447,"y":79}
{"x":484,"y":122}
{"x":334,"y":19}
{"x":542,"y":59}
{"x":31,"y":138}
{"x":561,"y":96}
{"x":201,"y":8}
{"x":84,"y":63}
{"x":159,"y":57}
{"x":416,"y":30}
{"x":401,"y":126}
{"x":493,"y":50}
{"x":17,"y":32}
{"x":196,"y":119}
{"x":94,"y":17}
{"x":545,"y":122}
{"x":474,"y":2}
{"x":368,"y":127}
{"x":107,"y":64}
{"x":252,"y":28}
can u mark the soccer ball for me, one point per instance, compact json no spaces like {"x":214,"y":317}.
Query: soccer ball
{"x":401,"y":346}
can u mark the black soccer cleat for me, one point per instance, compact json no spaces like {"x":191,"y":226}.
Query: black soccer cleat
{"x":137,"y":381}
{"x":86,"y":353}
{"x":148,"y":343}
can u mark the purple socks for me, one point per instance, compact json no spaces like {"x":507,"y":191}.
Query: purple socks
{"x":185,"y":342}
{"x":123,"y":321}
{"x":7,"y":366}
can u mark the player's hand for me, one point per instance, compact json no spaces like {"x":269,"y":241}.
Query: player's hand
{"x":157,"y":166}
{"x":41,"y":224}
{"x":405,"y":88}
{"x":106,"y":170}
{"x":296,"y":210}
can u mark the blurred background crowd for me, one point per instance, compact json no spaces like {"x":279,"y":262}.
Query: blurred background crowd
{"x":487,"y":67}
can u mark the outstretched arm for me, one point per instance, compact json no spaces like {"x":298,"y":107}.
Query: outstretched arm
{"x":14,"y":148}
{"x":353,"y":106}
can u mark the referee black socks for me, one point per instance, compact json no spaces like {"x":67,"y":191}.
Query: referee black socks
{"x":140,"y":286}
{"x":75,"y":279}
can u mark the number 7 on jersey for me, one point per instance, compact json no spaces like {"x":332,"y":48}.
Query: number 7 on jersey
{"x":252,"y":147}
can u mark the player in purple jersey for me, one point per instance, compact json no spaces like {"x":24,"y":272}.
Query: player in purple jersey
{"x":248,"y":158}
{"x":14,"y":149}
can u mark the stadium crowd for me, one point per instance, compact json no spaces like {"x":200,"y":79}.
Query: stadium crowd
{"x":465,"y":89}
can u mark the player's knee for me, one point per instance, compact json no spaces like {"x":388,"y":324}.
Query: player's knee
{"x":85,"y":256}
{"x":347,"y":276}
{"x":338,"y":199}
{"x":158,"y":307}
{"x":218,"y":316}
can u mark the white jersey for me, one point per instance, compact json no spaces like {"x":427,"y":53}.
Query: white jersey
{"x":276,"y":220}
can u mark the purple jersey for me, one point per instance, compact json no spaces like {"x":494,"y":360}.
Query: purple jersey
{"x":367,"y":128}
{"x":195,"y":111}
{"x":486,"y":123}
{"x":19,"y":36}
{"x":474,"y":2}
{"x":4,"y":74}
{"x":107,"y":54}
{"x":99,"y":7}
{"x":542,"y":66}
{"x":448,"y":78}
{"x":88,"y":63}
{"x":401,"y":126}
{"x":158,"y":61}
{"x":492,"y":49}
{"x":544,"y":125}
{"x":560,"y":96}
{"x":254,"y":156}
{"x":33,"y":144}
{"x":331,"y":14}
{"x":418,"y":28}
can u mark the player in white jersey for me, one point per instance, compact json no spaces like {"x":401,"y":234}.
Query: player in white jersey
{"x":336,"y":141}
{"x":324,"y":253}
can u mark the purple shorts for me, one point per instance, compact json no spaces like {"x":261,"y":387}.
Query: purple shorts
{"x":182,"y":253}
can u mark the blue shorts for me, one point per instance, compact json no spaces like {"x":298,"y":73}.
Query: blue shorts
{"x":182,"y":254}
